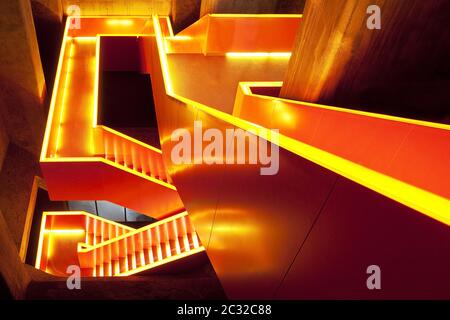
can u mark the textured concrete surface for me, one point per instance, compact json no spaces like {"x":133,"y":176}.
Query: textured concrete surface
{"x":251,"y":6}
{"x":4,"y":141}
{"x":22,"y":84}
{"x":16,"y":180}
{"x":55,"y":6}
{"x":12,"y":270}
{"x":402,"y":69}
{"x":184,"y":13}
{"x":120,"y":7}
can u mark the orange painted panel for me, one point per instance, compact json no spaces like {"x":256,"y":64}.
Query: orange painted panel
{"x":96,"y":180}
{"x":219,"y":34}
{"x":386,"y":145}
{"x":249,"y":34}
{"x":90,"y":27}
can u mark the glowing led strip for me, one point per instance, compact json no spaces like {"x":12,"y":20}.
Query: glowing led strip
{"x":163,"y":261}
{"x":120,"y":22}
{"x":258,"y":54}
{"x":43,"y":231}
{"x":64,"y":231}
{"x":54,"y":93}
{"x":110,"y":163}
{"x":64,"y":97}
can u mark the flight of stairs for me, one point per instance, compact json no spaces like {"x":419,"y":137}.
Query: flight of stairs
{"x":111,"y":251}
{"x":133,"y":154}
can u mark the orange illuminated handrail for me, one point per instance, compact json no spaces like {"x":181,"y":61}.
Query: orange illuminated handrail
{"x":91,"y":224}
{"x":164,"y":235}
{"x":132,"y":154}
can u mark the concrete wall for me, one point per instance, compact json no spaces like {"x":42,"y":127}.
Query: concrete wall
{"x":12,"y":270}
{"x":120,"y":7}
{"x":252,"y":6}
{"x":55,"y":6}
{"x":4,"y":141}
{"x":22,"y":84}
{"x":400,"y":69}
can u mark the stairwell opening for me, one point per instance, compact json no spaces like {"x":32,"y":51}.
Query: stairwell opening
{"x":125,"y":99}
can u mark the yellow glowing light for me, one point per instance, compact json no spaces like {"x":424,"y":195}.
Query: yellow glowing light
{"x":169,"y":25}
{"x":131,"y":139}
{"x":83,"y":248}
{"x":82,"y":39}
{"x":246,"y":89}
{"x":119,"y":22}
{"x":41,"y":241}
{"x":68,"y":232}
{"x":179,"y":38}
{"x":248,"y":84}
{"x":55,"y":91}
{"x":65,"y":92}
{"x":258,"y":54}
{"x":96,"y":80}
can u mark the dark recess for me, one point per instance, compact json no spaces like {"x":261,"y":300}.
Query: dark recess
{"x":49,"y":33}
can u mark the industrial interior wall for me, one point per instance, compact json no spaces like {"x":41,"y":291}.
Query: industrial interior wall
{"x":117,"y":7}
{"x":305,"y":232}
{"x":12,"y":270}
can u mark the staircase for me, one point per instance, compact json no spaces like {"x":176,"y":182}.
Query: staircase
{"x":119,"y":164}
{"x":133,"y":154}
{"x":145,"y":248}
{"x":104,"y":248}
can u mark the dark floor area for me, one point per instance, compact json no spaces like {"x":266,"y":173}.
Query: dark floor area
{"x":126,"y":100}
{"x":201,"y":284}
{"x":126,"y":105}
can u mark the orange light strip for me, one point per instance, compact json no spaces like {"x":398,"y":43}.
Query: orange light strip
{"x":82,"y":38}
{"x":64,"y":97}
{"x":96,"y":81}
{"x":111,"y":163}
{"x":161,"y":262}
{"x":83,"y":248}
{"x":169,"y":25}
{"x":67,"y":232}
{"x":258,"y":54}
{"x":41,"y":241}
{"x":55,"y":92}
{"x":131,"y":139}
{"x":119,"y":22}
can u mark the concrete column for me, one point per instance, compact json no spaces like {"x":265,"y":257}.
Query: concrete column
{"x":251,"y":6}
{"x":236,"y":6}
{"x":12,"y":270}
{"x":398,"y":69}
{"x":4,"y":141}
{"x":22,"y":84}
{"x":54,"y":6}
